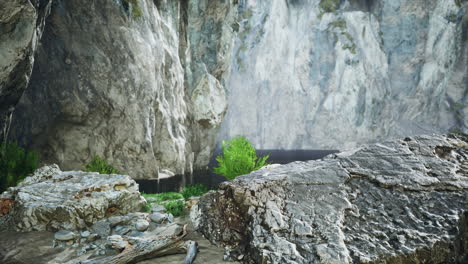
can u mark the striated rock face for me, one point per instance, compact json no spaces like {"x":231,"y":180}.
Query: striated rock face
{"x":333,"y":73}
{"x":73,"y":200}
{"x":22,"y":23}
{"x":133,"y":83}
{"x":146,"y":84}
{"x":402,"y":201}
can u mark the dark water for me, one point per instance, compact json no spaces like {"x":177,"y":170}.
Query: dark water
{"x":208,"y":178}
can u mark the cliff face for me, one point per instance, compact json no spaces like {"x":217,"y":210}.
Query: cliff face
{"x":331,"y":73}
{"x":146,"y":84}
{"x":129,"y":81}
{"x":21,"y":25}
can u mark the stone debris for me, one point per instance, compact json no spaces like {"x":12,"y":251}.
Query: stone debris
{"x":71,"y":200}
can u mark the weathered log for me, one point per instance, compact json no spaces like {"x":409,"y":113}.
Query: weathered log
{"x":192,"y":249}
{"x":140,"y":249}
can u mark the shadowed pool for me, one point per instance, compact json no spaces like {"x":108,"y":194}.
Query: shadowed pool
{"x":209,"y":178}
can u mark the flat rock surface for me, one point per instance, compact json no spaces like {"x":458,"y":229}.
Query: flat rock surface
{"x":71,"y":200}
{"x":401,"y":201}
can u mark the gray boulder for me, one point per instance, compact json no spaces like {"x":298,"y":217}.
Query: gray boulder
{"x":71,"y":200}
{"x":402,"y":201}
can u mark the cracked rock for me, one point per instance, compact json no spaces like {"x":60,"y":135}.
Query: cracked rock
{"x":401,"y":201}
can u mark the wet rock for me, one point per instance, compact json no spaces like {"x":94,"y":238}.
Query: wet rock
{"x":395,"y":202}
{"x":71,"y":200}
{"x":64,"y":235}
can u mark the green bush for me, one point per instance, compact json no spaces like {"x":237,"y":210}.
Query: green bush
{"x":176,"y":208}
{"x":194,"y":190}
{"x":167,"y":196}
{"x":15,"y":164}
{"x":100,"y":165}
{"x":238,"y":158}
{"x":329,"y":5}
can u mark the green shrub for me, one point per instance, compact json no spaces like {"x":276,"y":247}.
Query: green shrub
{"x":194,"y":190}
{"x":238,"y":158}
{"x":167,"y":196}
{"x":163,"y":199}
{"x":176,"y":208}
{"x":329,"y":5}
{"x":15,"y":164}
{"x":98,"y":164}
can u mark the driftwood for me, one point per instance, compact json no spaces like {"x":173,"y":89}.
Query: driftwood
{"x":139,"y":249}
{"x":192,"y":249}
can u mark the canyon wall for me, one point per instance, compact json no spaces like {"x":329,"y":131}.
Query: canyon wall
{"x":332,"y":74}
{"x":128,"y":81}
{"x":153,"y":85}
{"x":21,"y":26}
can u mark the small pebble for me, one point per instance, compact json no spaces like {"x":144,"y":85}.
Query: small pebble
{"x":64,"y":235}
{"x":141,"y":225}
{"x":158,"y":218}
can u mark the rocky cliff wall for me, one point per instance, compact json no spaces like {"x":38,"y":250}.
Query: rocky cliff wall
{"x":146,"y":84}
{"x":136,"y":82}
{"x":331,"y":73}
{"x":21,"y":26}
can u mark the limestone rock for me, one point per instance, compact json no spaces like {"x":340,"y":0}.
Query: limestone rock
{"x":71,"y":200}
{"x":400,"y":201}
{"x":305,"y":78}
{"x":125,"y":91}
{"x":22,"y":26}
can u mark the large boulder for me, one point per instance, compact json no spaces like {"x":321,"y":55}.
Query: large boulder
{"x":402,"y":201}
{"x":72,"y":200}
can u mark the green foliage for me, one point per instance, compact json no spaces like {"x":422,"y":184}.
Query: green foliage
{"x":194,"y":190}
{"x":453,"y":18}
{"x":176,"y":208}
{"x":100,"y":165}
{"x":15,"y":164}
{"x":167,"y":196}
{"x":329,"y":5}
{"x":339,"y":23}
{"x":172,"y":201}
{"x":238,"y":158}
{"x":133,"y":6}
